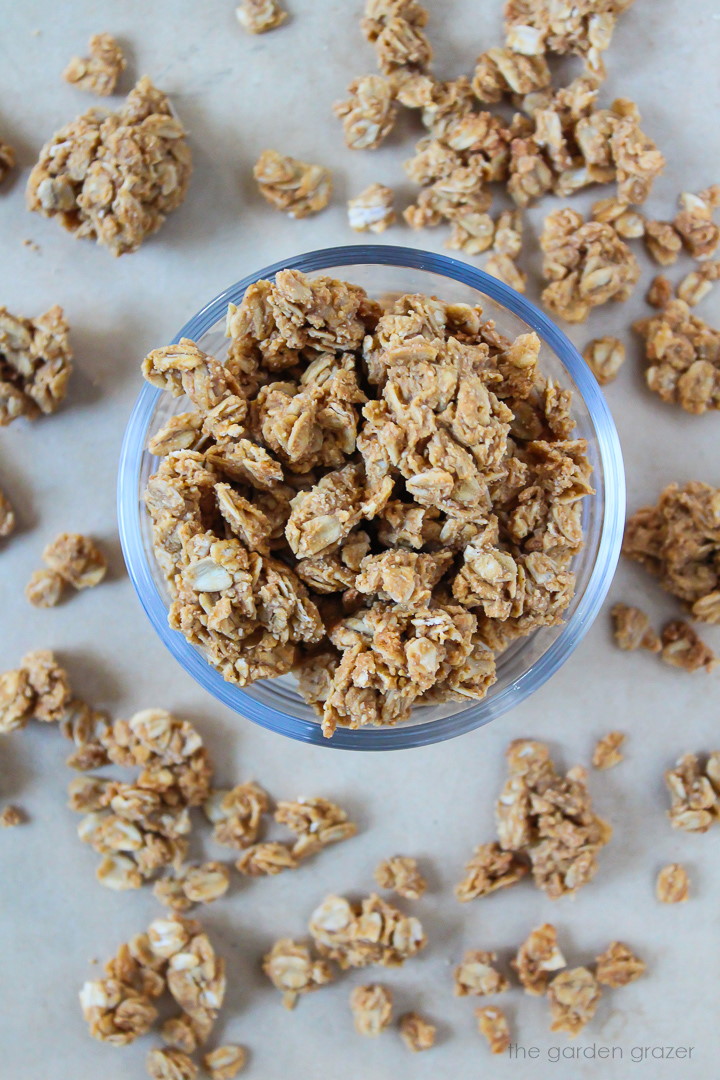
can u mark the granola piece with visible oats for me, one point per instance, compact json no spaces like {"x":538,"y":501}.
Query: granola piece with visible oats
{"x":672,"y":885}
{"x":86,"y":727}
{"x":394,"y":27}
{"x":683,"y":357}
{"x":662,"y":241}
{"x":574,"y":996}
{"x":537,"y":957}
{"x":682,"y":648}
{"x":660,"y":292}
{"x":181,"y":1033}
{"x":502,"y":267}
{"x":236,"y":814}
{"x":696,"y":285}
{"x":604,"y":356}
{"x":700,"y":235}
{"x":477,"y":975}
{"x":168,"y":1064}
{"x":7,"y":516}
{"x":291,"y":968}
{"x":371,"y":1007}
{"x":607,"y":752}
{"x":199,"y":884}
{"x":618,"y":966}
{"x":98,"y":73}
{"x":7,"y":160}
{"x":295,"y":187}
{"x":371,"y":932}
{"x":316,"y":823}
{"x":45,"y":588}
{"x":259,"y":16}
{"x":11,"y":816}
{"x":181,"y":432}
{"x":372,"y":210}
{"x":694,"y":798}
{"x":225,"y":1062}
{"x":97,"y":188}
{"x":500,"y":72}
{"x":632,"y":630}
{"x":77,"y":559}
{"x":35,"y":364}
{"x":268,"y":858}
{"x":368,"y":116}
{"x":401,"y":875}
{"x":489,"y":869}
{"x":416,"y":1032}
{"x":534,"y":27}
{"x":115,"y":1013}
{"x":493,"y":1026}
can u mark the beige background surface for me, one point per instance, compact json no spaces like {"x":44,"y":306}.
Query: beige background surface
{"x":237,"y":95}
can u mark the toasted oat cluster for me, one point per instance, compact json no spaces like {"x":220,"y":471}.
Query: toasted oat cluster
{"x":39,"y":689}
{"x":682,"y":648}
{"x":371,"y":1007}
{"x":293,"y":186}
{"x":416,"y":1032}
{"x":537,"y":958}
{"x":402,"y":875}
{"x":259,"y":16}
{"x":372,"y":210}
{"x":395,"y":28}
{"x":292,"y":969}
{"x":162,"y":1064}
{"x":194,"y":884}
{"x":114,"y":177}
{"x":478,"y":975}
{"x":632,"y":629}
{"x":683,"y":357}
{"x":369,"y":113}
{"x":493,"y":1026}
{"x":694,"y":792}
{"x":678,"y":542}
{"x":71,"y":559}
{"x":574,"y":995}
{"x":35,"y":364}
{"x":618,"y":966}
{"x":10,"y":816}
{"x":672,"y":885}
{"x":225,"y":1062}
{"x":371,"y":932}
{"x":608,"y":750}
{"x":99,"y":72}
{"x":585,"y":27}
{"x":489,"y":869}
{"x":381,"y":500}
{"x":7,"y":160}
{"x":7,"y":516}
{"x":604,"y":356}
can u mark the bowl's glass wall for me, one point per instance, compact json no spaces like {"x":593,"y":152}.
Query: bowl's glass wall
{"x":386,"y":272}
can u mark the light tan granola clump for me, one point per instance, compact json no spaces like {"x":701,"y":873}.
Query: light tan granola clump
{"x":493,"y":1026}
{"x":7,"y":160}
{"x":7,"y":516}
{"x":700,"y":234}
{"x":35,"y":364}
{"x":114,"y":177}
{"x":197,"y":884}
{"x":672,"y":885}
{"x":293,"y":970}
{"x":259,"y":16}
{"x":394,"y":27}
{"x":416,"y":1032}
{"x":372,"y":210}
{"x":682,"y":648}
{"x":371,"y":1007}
{"x":293,"y":186}
{"x":45,"y":588}
{"x":477,"y":975}
{"x":76,"y":559}
{"x":534,"y":27}
{"x":225,"y":1062}
{"x":401,"y":874}
{"x":505,"y":269}
{"x":10,"y":816}
{"x":236,"y":814}
{"x":660,"y":292}
{"x":696,"y":285}
{"x":169,"y":1064}
{"x":316,"y":822}
{"x":632,"y":630}
{"x":368,"y":116}
{"x":266,"y":859}
{"x":694,"y":793}
{"x":604,"y":356}
{"x":607,"y":752}
{"x":489,"y":869}
{"x":683,"y":357}
{"x":39,"y":689}
{"x":663,"y":242}
{"x":537,"y":958}
{"x":371,"y":932}
{"x":618,"y":966}
{"x":98,"y":73}
{"x":574,"y":996}
{"x":678,"y":542}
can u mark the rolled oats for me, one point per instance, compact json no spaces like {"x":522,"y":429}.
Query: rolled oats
{"x":292,"y":186}
{"x":371,"y":1007}
{"x":682,"y":648}
{"x":662,"y":241}
{"x":115,"y":177}
{"x":672,"y":885}
{"x":607,"y":752}
{"x":372,"y":210}
{"x":368,"y":116}
{"x":267,"y":858}
{"x":35,"y":364}
{"x":76,"y":559}
{"x":7,"y":516}
{"x":573,"y":995}
{"x":693,"y":795}
{"x":39,"y":689}
{"x":237,"y":814}
{"x":225,"y":1062}
{"x":394,"y":27}
{"x":98,"y":73}
{"x":586,"y":28}
{"x":493,"y":1026}
{"x":180,"y":1032}
{"x":537,"y":957}
{"x":169,"y":1064}
{"x":618,"y":966}
{"x":293,"y":970}
{"x":115,"y":1013}
{"x":604,"y":356}
{"x":696,"y":285}
{"x":316,"y":823}
{"x":632,"y":630}
{"x":45,"y":588}
{"x":477,"y":975}
{"x":371,"y":932}
{"x":489,"y":869}
{"x":401,"y":874}
{"x":259,"y":16}
{"x":416,"y":1032}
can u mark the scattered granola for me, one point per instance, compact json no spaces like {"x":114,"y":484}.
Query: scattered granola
{"x":489,"y":869}
{"x":39,"y":689}
{"x":604,"y":356}
{"x":607,"y":752}
{"x":673,"y":884}
{"x":663,"y":242}
{"x":371,"y":1007}
{"x":477,"y":975}
{"x":197,"y":884}
{"x":573,"y":995}
{"x":292,"y":969}
{"x":682,"y":648}
{"x":632,"y":630}
{"x":259,"y":16}
{"x":316,"y":823}
{"x":401,"y":875}
{"x":537,"y":957}
{"x":683,"y":357}
{"x":114,"y":177}
{"x":237,"y":814}
{"x":35,"y":364}
{"x":416,"y":1032}
{"x":45,"y":588}
{"x":72,"y":559}
{"x":368,"y":116}
{"x":169,"y":1064}
{"x":534,"y":27}
{"x":7,"y":516}
{"x":98,"y":73}
{"x":225,"y":1062}
{"x":694,"y":793}
{"x":7,"y":160}
{"x":618,"y":966}
{"x":493,"y":1026}
{"x":293,"y":186}
{"x":372,"y":210}
{"x":11,"y":816}
{"x":371,"y":932}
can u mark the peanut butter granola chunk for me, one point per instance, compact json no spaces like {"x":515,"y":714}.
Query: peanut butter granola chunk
{"x":604,"y":356}
{"x":292,"y":969}
{"x":416,"y":1032}
{"x":368,"y":116}
{"x":225,"y":1062}
{"x":682,"y":648}
{"x":169,"y":1064}
{"x":237,"y":814}
{"x":574,"y":996}
{"x":371,"y":932}
{"x":694,"y":222}
{"x":693,"y":793}
{"x":259,"y":16}
{"x":372,"y":210}
{"x":316,"y":823}
{"x":672,"y":885}
{"x":683,"y":358}
{"x":537,"y":958}
{"x":477,"y":975}
{"x":10,"y":816}
{"x":489,"y":869}
{"x":45,"y":588}
{"x":586,"y":28}
{"x":618,"y":966}
{"x":493,"y":1026}
{"x":608,"y":752}
{"x":401,"y":874}
{"x":35,"y":364}
{"x":293,"y":186}
{"x":371,"y":1007}
{"x":114,"y":177}
{"x":77,"y":559}
{"x":98,"y":73}
{"x":394,"y":27}
{"x":632,"y":630}
{"x":39,"y":689}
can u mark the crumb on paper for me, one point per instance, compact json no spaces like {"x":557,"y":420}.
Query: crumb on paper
{"x":293,"y":970}
{"x":604,"y":356}
{"x":45,"y":588}
{"x":632,"y":630}
{"x":574,"y":995}
{"x":11,"y":816}
{"x":7,"y":516}
{"x":372,"y":210}
{"x":489,"y":869}
{"x":536,"y":959}
{"x":225,"y":1062}
{"x":683,"y":648}
{"x":477,"y":975}
{"x":618,"y":965}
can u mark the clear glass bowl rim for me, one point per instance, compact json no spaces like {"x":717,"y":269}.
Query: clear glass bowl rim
{"x":391,"y":738}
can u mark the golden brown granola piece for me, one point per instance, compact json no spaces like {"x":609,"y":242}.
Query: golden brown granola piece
{"x":259,"y":16}
{"x":369,"y":115}
{"x":394,"y":27}
{"x":11,"y":816}
{"x":537,"y":957}
{"x":35,"y":364}
{"x":694,"y":798}
{"x":618,"y":966}
{"x":696,"y":285}
{"x":45,"y":588}
{"x":181,"y":1033}
{"x":371,"y":932}
{"x":115,"y":1013}
{"x":604,"y":356}
{"x":199,"y":884}
{"x":295,"y":187}
{"x":7,"y":160}
{"x":632,"y":630}
{"x":683,"y":354}
{"x":371,"y":1007}
{"x":98,"y":73}
{"x":500,"y":72}
{"x":291,"y":968}
{"x":7,"y":516}
{"x":77,"y":559}
{"x":607,"y":752}
{"x":401,"y":874}
{"x":628,"y":223}
{"x":181,"y":432}
{"x":87,"y":178}
{"x":662,"y":241}
{"x":535,"y":27}
{"x":416,"y":1032}
{"x":169,"y":1064}
{"x":225,"y":1062}
{"x":700,"y":235}
{"x":672,"y":885}
{"x":502,"y":267}
{"x":316,"y":823}
{"x":237,"y":814}
{"x":267,"y":858}
{"x":682,"y":648}
{"x":489,"y":869}
{"x":493,"y":1026}
{"x":477,"y":975}
{"x":660,"y":292}
{"x":372,"y":210}
{"x":573,"y":995}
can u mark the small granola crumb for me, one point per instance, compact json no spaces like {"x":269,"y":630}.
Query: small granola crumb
{"x":293,"y":970}
{"x":11,"y":816}
{"x":371,"y":1008}
{"x":316,"y":823}
{"x":45,"y":588}
{"x":696,"y":285}
{"x":573,"y":996}
{"x":489,"y":869}
{"x":660,"y":292}
{"x":492,"y":1024}
{"x":77,"y":559}
{"x":98,"y":73}
{"x":607,"y":751}
{"x":225,"y":1062}
{"x":267,"y":858}
{"x":293,"y":186}
{"x":618,"y":966}
{"x":538,"y":955}
{"x":7,"y":516}
{"x":259,"y":16}
{"x":699,"y":233}
{"x":662,"y":241}
{"x":35,"y":364}
{"x":168,"y":1064}
{"x":632,"y":629}
{"x":401,"y":875}
{"x":672,"y":885}
{"x":682,"y":648}
{"x":477,"y":975}
{"x":693,"y":793}
{"x":7,"y":160}
{"x":416,"y":1032}
{"x":372,"y":210}
{"x":604,"y":356}
{"x":200,"y":884}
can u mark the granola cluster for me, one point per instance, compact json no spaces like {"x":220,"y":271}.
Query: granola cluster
{"x":114,"y":177}
{"x":493,"y":1026}
{"x":35,"y":364}
{"x":370,"y":932}
{"x":71,"y":559}
{"x":694,"y":792}
{"x":293,"y":970}
{"x":381,"y":500}
{"x":39,"y":689}
{"x":99,"y":72}
{"x":295,"y":187}
{"x":372,"y":210}
{"x":259,"y":16}
{"x":401,"y":875}
{"x":372,"y":1009}
{"x":672,"y":885}
{"x":683,"y":357}
{"x":416,"y":1032}
{"x":546,"y":825}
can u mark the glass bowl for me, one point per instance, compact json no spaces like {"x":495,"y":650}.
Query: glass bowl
{"x":529,"y":662}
